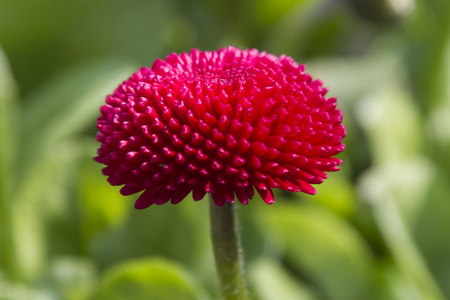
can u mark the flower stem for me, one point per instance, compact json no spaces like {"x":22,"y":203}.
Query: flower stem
{"x":227,"y":253}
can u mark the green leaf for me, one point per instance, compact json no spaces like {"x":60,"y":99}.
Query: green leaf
{"x":269,"y":280}
{"x":325,"y":248}
{"x":155,"y":279}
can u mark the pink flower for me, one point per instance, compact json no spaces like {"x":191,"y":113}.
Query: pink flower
{"x":220,"y":122}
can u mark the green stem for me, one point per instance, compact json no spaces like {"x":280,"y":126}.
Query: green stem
{"x":227,"y":253}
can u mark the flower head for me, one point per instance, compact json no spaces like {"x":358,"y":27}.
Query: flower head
{"x":223,"y":122}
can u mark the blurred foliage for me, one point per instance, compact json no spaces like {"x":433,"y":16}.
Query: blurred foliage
{"x":378,"y":229}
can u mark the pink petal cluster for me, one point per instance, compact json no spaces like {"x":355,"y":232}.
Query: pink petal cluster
{"x":222,"y":122}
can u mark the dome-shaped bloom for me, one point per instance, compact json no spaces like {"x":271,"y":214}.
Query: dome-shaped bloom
{"x":220,"y":122}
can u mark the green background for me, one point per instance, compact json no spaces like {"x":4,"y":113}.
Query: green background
{"x":378,"y":229}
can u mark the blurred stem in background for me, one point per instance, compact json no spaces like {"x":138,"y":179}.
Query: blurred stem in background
{"x":7,"y":242}
{"x":227,"y":252}
{"x":7,"y":141}
{"x":404,"y":250}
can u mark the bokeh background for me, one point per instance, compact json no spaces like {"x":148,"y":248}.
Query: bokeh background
{"x":378,"y":229}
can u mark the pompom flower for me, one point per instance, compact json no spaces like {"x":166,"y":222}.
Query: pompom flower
{"x":223,"y":122}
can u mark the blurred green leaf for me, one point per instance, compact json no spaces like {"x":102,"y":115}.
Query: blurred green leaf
{"x":144,"y":279}
{"x":397,"y":184}
{"x":73,"y":278}
{"x":43,"y":195}
{"x":437,"y":126}
{"x":17,"y":291}
{"x":348,"y":78}
{"x":408,"y":258}
{"x":66,"y":106}
{"x":395,"y":285}
{"x":392,"y":124}
{"x":60,"y":35}
{"x":427,"y":50}
{"x":164,"y":230}
{"x":396,"y":136}
{"x":69,"y":103}
{"x":431,"y":229}
{"x":271,"y":281}
{"x":438,"y":120}
{"x":397,"y":192}
{"x":101,"y":205}
{"x":337,"y":194}
{"x":325,"y":248}
{"x":407,"y":181}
